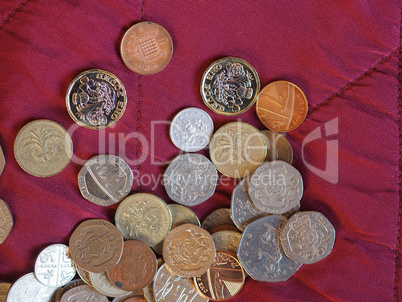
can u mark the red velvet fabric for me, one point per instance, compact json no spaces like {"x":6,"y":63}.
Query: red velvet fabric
{"x":345,"y":56}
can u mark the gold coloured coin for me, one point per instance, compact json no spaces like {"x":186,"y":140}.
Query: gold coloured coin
{"x":43,"y":148}
{"x":6,"y":221}
{"x":219,"y":217}
{"x":226,"y":241}
{"x":2,"y":161}
{"x":278,"y":147}
{"x":4,"y":288}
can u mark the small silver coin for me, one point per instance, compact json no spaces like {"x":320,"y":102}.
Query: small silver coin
{"x":191,"y":129}
{"x":190,"y":179}
{"x":260,"y":251}
{"x":278,"y":147}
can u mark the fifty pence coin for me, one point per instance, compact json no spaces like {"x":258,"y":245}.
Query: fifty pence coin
{"x":230,"y":86}
{"x":96,"y":99}
{"x":190,"y":179}
{"x":191,"y":129}
{"x":218,"y":218}
{"x":43,"y":148}
{"x":2,"y":161}
{"x":6,"y":221}
{"x":103,"y":285}
{"x":83,"y":293}
{"x":278,"y":147}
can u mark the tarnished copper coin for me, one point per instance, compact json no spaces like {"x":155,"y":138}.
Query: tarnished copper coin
{"x":72,"y":284}
{"x":96,"y":99}
{"x":146,"y":48}
{"x":230,"y":86}
{"x":223,"y":280}
{"x":278,"y":147}
{"x":2,"y":161}
{"x":308,"y":237}
{"x":281,"y":106}
{"x":218,"y":217}
{"x":4,"y":288}
{"x":96,"y":245}
{"x":188,"y":250}
{"x":137,"y":267}
{"x":6,"y":221}
{"x":83,"y":293}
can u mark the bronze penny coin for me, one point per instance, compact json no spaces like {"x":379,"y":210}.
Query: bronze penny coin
{"x":6,"y":221}
{"x":278,"y":147}
{"x":2,"y":161}
{"x":230,"y":86}
{"x":83,"y":293}
{"x":217,"y":218}
{"x":223,"y":280}
{"x":281,"y":106}
{"x":146,"y":48}
{"x":96,"y":99}
{"x":96,"y":245}
{"x":137,"y":267}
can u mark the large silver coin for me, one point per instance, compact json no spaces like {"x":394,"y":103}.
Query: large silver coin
{"x":29,"y":289}
{"x":53,"y":267}
{"x":190,"y":179}
{"x":191,"y":129}
{"x":276,"y":187}
{"x":260,"y":251}
{"x":278,"y":147}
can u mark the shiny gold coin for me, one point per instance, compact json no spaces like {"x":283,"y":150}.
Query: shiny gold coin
{"x":237,"y":149}
{"x":6,"y":221}
{"x":103,"y":285}
{"x":2,"y":161}
{"x":144,"y":217}
{"x":278,"y":147}
{"x":4,"y":288}
{"x":226,"y":241}
{"x":43,"y":148}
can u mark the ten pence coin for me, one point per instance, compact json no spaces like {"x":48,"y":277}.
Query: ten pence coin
{"x":2,"y":161}
{"x":278,"y":147}
{"x":83,"y":293}
{"x":43,"y":148}
{"x":6,"y":221}
{"x":103,"y":285}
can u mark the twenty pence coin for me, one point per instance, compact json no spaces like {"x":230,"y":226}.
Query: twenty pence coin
{"x":83,"y":293}
{"x":6,"y":221}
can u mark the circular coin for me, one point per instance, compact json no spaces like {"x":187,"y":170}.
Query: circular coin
{"x":6,"y":221}
{"x":72,"y":284}
{"x":103,"y":285}
{"x":190,"y":179}
{"x":43,"y":148}
{"x":276,"y":187}
{"x":230,"y":86}
{"x":4,"y":289}
{"x":237,"y":149}
{"x":96,"y":99}
{"x":53,"y":267}
{"x":281,"y":106}
{"x":84,"y":275}
{"x":308,"y":237}
{"x":188,"y":250}
{"x":226,"y":241}
{"x":105,"y":180}
{"x":260,"y":251}
{"x":218,"y":218}
{"x":96,"y":245}
{"x":82,"y":293}
{"x":191,"y":129}
{"x":137,"y":294}
{"x":146,"y":48}
{"x":2,"y":161}
{"x":144,"y":217}
{"x":278,"y":147}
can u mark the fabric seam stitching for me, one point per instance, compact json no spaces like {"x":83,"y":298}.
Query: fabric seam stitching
{"x":11,"y":15}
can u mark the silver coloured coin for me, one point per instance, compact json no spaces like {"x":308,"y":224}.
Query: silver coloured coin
{"x":29,"y":289}
{"x":53,"y":267}
{"x":260,"y":251}
{"x":83,"y":293}
{"x":191,"y":129}
{"x":190,"y":179}
{"x":276,"y":187}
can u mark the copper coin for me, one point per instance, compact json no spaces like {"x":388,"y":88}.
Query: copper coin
{"x":281,"y":106}
{"x":218,"y":217}
{"x":278,"y":147}
{"x":2,"y":161}
{"x":146,"y":48}
{"x":6,"y":221}
{"x":136,"y":299}
{"x":83,"y":293}
{"x":137,"y":267}
{"x":137,"y":294}
{"x":72,"y":284}
{"x":96,"y":99}
{"x":188,"y":250}
{"x":223,"y":280}
{"x":96,"y":245}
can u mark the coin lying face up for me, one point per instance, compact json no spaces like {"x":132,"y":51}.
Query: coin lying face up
{"x":6,"y":221}
{"x":278,"y":147}
{"x":103,"y":285}
{"x":82,"y":293}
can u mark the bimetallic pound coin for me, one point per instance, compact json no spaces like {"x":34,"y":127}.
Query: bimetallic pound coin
{"x":260,"y":251}
{"x":226,"y":241}
{"x":96,"y":99}
{"x":223,"y":280}
{"x":191,"y":129}
{"x":276,"y":187}
{"x":230,"y":86}
{"x":4,"y":288}
{"x":281,"y":106}
{"x":105,"y":180}
{"x":2,"y":161}
{"x":237,"y":149}
{"x":137,"y":267}
{"x":96,"y":245}
{"x":278,"y":147}
{"x":217,"y":218}
{"x":6,"y":221}
{"x":188,"y":250}
{"x":103,"y":285}
{"x":308,"y":237}
{"x":84,"y":275}
{"x":43,"y":148}
{"x":83,"y":293}
{"x":53,"y":267}
{"x":146,"y":48}
{"x":143,"y":217}
{"x":190,"y":179}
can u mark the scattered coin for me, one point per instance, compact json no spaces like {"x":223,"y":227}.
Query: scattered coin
{"x":84,"y":275}
{"x":188,"y":250}
{"x":190,"y":179}
{"x":308,"y":237}
{"x":218,"y":217}
{"x":260,"y":251}
{"x":293,"y":210}
{"x":223,"y":280}
{"x":281,"y":106}
{"x":230,"y":86}
{"x":148,"y":291}
{"x":105,"y":180}
{"x":4,"y":288}
{"x":72,"y":284}
{"x":146,"y":48}
{"x":56,"y":296}
{"x":278,"y":147}
{"x":226,"y":241}
{"x":96,"y":99}
{"x":96,"y":245}
{"x":103,"y":285}
{"x":144,"y":217}
{"x":136,"y":299}
{"x":276,"y":187}
{"x":191,"y":129}
{"x":237,"y":149}
{"x":6,"y":221}
{"x":2,"y":161}
{"x":137,"y":294}
{"x":83,"y":293}
{"x":43,"y":148}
